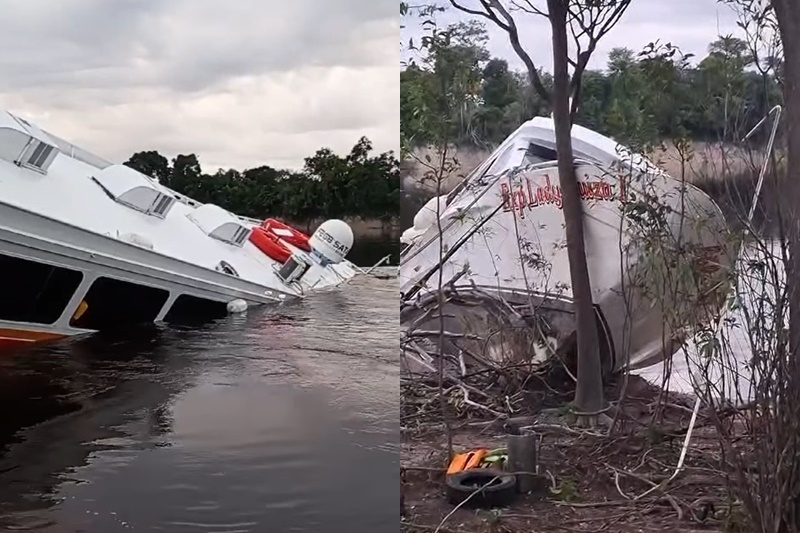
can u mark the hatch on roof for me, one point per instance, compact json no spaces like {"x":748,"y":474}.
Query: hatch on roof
{"x":219,"y":224}
{"x":25,"y":145}
{"x":135,"y":190}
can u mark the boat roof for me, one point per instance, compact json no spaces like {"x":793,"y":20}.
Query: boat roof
{"x":587,"y":145}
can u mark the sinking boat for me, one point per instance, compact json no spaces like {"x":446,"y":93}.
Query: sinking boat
{"x":496,"y":246}
{"x":88,"y":245}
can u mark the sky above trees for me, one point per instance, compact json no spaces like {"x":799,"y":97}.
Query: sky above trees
{"x":239,"y":83}
{"x":688,"y":24}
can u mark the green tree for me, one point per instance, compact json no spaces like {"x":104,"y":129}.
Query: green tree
{"x":446,"y":77}
{"x":186,"y":175}
{"x":625,"y":114}
{"x":152,"y":164}
{"x":639,"y":99}
{"x":722,"y":83}
{"x":596,"y":92}
{"x":499,"y":88}
{"x":358,"y":184}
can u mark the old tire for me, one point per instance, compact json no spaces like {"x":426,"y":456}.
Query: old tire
{"x":498,"y":493}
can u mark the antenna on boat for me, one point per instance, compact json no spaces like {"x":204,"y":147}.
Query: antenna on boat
{"x":777,"y":111}
{"x":373,"y":267}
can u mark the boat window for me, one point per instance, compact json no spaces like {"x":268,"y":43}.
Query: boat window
{"x":193,"y":310}
{"x":536,"y":153}
{"x":542,"y":151}
{"x":36,"y":155}
{"x":111,"y":303}
{"x":31,"y":291}
{"x":226,"y":268}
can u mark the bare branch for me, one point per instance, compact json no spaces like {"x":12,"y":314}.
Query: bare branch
{"x":589,"y":21}
{"x":528,"y":7}
{"x":487,"y":13}
{"x":491,"y":9}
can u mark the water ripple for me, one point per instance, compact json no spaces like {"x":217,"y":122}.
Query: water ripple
{"x":284,"y":419}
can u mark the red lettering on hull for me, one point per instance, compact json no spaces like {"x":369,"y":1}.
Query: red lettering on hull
{"x":529,"y":196}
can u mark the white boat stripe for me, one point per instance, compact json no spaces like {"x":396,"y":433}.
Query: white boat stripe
{"x":15,"y":339}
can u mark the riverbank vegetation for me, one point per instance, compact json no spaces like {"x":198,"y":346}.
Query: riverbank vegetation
{"x":688,"y":113}
{"x":656,"y":93}
{"x":358,"y":184}
{"x":724,"y":456}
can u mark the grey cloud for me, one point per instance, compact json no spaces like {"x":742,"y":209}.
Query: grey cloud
{"x":238,"y":82}
{"x":189,"y":45}
{"x":51,"y":41}
{"x":688,"y":24}
{"x":338,"y":44}
{"x":345,"y":109}
{"x":679,"y":12}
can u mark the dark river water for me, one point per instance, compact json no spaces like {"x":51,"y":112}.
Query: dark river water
{"x":283,"y":419}
{"x":367,"y":252}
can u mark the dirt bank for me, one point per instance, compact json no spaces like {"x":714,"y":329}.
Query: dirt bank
{"x":594,"y":479}
{"x":700,"y":161}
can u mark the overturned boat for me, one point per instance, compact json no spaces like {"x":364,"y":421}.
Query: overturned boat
{"x":88,"y":245}
{"x":493,"y":252}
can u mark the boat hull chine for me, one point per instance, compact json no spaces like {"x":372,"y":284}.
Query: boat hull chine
{"x":18,"y":337}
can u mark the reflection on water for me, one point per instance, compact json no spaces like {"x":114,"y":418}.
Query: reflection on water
{"x":281,"y":420}
{"x":366,"y":252}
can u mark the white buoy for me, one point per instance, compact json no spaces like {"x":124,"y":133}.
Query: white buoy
{"x":426,"y":216}
{"x":237,"y":306}
{"x":424,"y":219}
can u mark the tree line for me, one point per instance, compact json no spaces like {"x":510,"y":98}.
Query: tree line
{"x":329,"y":185}
{"x":658,"y":92}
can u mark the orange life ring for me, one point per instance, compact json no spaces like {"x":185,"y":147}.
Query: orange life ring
{"x":294,"y":237}
{"x":270,"y":244}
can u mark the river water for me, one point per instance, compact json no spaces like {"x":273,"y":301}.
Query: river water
{"x":283,"y":419}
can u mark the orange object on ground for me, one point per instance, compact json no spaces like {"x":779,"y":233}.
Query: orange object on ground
{"x":287,"y":233}
{"x":270,"y":244}
{"x":466,"y":461}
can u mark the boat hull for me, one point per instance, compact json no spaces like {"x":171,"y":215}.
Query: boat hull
{"x":87,"y":245}
{"x":21,"y":254}
{"x":17,"y":336}
{"x":507,"y":238}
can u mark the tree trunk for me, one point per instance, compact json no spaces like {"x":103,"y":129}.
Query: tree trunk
{"x":787,"y":13}
{"x":589,"y":392}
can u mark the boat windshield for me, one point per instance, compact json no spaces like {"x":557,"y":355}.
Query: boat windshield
{"x":519,"y":154}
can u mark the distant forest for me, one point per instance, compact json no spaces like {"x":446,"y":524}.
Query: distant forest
{"x":329,"y":185}
{"x":656,"y":93}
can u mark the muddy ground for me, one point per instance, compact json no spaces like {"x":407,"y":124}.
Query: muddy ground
{"x":595,"y":479}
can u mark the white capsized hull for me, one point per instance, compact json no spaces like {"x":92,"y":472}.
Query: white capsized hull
{"x":504,"y":234}
{"x":64,"y":209}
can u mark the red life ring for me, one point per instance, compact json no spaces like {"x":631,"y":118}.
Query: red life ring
{"x":287,"y":233}
{"x":270,"y":244}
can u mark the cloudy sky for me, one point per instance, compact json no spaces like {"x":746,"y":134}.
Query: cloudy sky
{"x":688,"y":24}
{"x":238,"y":82}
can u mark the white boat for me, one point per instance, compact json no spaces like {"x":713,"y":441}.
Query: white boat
{"x":86,"y":245}
{"x":502,"y":235}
